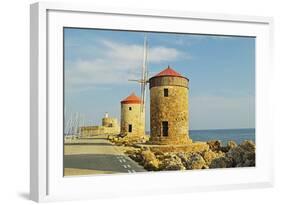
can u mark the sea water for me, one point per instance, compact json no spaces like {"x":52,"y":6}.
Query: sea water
{"x":224,"y":135}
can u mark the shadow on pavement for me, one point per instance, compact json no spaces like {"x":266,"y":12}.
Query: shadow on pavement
{"x":100,"y":162}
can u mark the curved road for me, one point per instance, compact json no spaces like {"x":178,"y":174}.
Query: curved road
{"x":96,"y":156}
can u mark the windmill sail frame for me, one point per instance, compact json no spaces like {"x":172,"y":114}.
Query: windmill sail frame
{"x":143,"y":80}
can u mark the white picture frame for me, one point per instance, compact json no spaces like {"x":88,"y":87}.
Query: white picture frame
{"x":46,"y":179}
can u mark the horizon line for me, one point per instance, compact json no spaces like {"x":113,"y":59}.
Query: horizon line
{"x":219,"y":129}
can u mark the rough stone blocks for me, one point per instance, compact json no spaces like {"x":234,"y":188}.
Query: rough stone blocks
{"x":172,"y":108}
{"x":131,"y":114}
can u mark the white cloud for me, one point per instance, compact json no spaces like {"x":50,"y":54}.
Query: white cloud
{"x":115,"y":63}
{"x":134,"y":53}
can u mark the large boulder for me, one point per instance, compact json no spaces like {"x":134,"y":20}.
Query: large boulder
{"x":150,"y":162}
{"x":236,"y":154}
{"x":160,"y":155}
{"x":215,"y":145}
{"x":184,"y":157}
{"x":171,"y":161}
{"x":221,"y":162}
{"x":195,"y":161}
{"x":192,"y":160}
{"x":249,"y":157}
{"x":231,"y":144}
{"x":209,"y":156}
{"x":243,"y":155}
{"x":248,"y":146}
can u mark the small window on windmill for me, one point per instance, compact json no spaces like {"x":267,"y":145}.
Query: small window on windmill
{"x":130,"y":108}
{"x":165,"y":128}
{"x":166,"y":92}
{"x":130,"y":128}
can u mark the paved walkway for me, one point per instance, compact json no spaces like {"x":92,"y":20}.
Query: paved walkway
{"x":96,"y":156}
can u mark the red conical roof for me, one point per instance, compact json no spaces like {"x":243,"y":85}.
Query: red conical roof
{"x":168,"y":72}
{"x":131,"y":99}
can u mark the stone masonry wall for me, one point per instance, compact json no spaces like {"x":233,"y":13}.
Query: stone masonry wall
{"x":173,"y":109}
{"x":109,"y":122}
{"x":90,"y":131}
{"x":168,"y":80}
{"x":133,"y":117}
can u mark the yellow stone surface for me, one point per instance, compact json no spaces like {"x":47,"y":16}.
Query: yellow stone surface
{"x":90,"y":131}
{"x":173,"y":108}
{"x":109,"y":126}
{"x":187,"y":148}
{"x":131,"y":115}
{"x":109,"y":122}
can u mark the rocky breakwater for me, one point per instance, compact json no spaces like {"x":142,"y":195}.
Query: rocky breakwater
{"x":242,"y":155}
{"x":217,"y":156}
{"x":127,"y":140}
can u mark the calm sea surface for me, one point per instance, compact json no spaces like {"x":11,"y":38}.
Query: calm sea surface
{"x":237,"y":135}
{"x":224,"y":135}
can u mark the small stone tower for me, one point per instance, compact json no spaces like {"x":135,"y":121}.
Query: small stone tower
{"x":169,"y":117}
{"x":109,"y":121}
{"x":132,"y":119}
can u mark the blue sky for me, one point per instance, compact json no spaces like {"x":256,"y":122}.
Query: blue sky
{"x":221,"y":70}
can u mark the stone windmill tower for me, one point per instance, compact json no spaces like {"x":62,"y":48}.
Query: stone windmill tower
{"x":169,"y":117}
{"x":132,"y":118}
{"x":142,"y":101}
